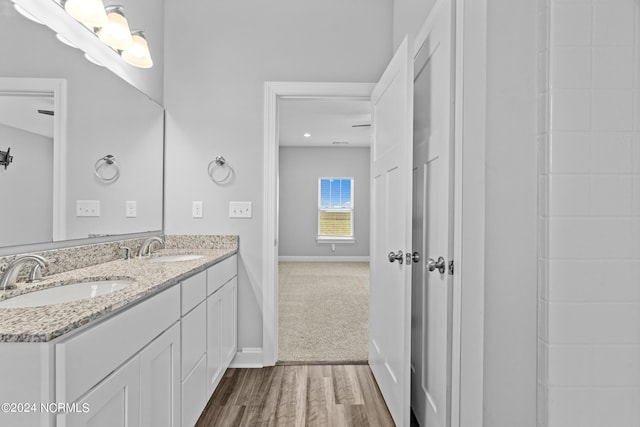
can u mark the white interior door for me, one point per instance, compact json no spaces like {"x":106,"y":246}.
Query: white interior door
{"x":390,"y":287}
{"x":433,"y":222}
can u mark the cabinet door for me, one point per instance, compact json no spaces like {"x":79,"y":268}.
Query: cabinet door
{"x":160,"y":381}
{"x":86,"y":358}
{"x":229,"y":321}
{"x":214,"y":329}
{"x":194,"y":393}
{"x":115,"y":402}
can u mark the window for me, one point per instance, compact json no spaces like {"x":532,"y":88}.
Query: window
{"x":335,"y":208}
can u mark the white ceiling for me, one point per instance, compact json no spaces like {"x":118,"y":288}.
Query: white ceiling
{"x":21,"y":111}
{"x":327,"y":120}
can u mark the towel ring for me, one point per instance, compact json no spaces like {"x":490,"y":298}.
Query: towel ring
{"x":220,"y":162}
{"x":104,"y":161}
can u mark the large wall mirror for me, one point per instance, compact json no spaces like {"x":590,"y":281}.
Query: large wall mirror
{"x":61,"y":116}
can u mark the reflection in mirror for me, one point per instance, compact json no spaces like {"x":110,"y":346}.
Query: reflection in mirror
{"x":95,"y":114}
{"x":27,"y":181}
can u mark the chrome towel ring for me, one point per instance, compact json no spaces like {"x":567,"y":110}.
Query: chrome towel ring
{"x":221,"y":163}
{"x":107,"y":160}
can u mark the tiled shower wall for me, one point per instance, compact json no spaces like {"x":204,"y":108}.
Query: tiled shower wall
{"x":589,"y":206}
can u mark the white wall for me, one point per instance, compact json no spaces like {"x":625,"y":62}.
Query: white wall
{"x":590,"y":212}
{"x":218,"y":56}
{"x":27,"y":184}
{"x":300,"y":168}
{"x":408,"y":17}
{"x":511,"y":220}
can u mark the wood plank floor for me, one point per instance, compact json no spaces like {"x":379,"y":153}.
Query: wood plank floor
{"x":297,"y":395}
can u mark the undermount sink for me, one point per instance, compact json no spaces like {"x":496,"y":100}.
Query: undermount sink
{"x":66,"y":293}
{"x":176,"y":258}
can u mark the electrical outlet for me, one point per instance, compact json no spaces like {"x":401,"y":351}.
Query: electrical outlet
{"x":196,"y":209}
{"x":240,"y":210}
{"x":87,"y":207}
{"x":132,"y":209}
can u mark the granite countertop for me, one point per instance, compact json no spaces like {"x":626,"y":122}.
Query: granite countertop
{"x":45,"y":323}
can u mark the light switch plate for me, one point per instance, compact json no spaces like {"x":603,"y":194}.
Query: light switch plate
{"x":196,"y":209}
{"x":132,"y":209}
{"x":87,"y":207}
{"x":240,"y":210}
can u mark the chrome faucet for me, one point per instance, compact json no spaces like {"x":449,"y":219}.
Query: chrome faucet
{"x":145,"y":248}
{"x":10,"y":275}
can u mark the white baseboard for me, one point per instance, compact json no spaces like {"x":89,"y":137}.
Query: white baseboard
{"x":248,"y":357}
{"x":324,"y":258}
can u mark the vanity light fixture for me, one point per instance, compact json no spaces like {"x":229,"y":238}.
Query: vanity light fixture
{"x":116,"y":33}
{"x":93,"y":61}
{"x":26,"y":14}
{"x":110,"y":25}
{"x":65,"y":40}
{"x":138,"y":53}
{"x":90,"y":13}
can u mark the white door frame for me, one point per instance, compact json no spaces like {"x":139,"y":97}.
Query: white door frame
{"x":469,"y":221}
{"x":57,"y":88}
{"x":469,"y":189}
{"x":272,"y":92}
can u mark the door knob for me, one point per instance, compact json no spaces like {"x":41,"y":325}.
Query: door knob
{"x":439,"y":264}
{"x":395,"y":257}
{"x":412,"y":257}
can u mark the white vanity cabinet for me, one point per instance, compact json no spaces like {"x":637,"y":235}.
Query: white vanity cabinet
{"x":222,"y":290}
{"x":123,"y":369}
{"x":143,"y":392}
{"x":154,"y":364}
{"x":115,"y":402}
{"x":194,"y":347}
{"x":209,"y":330}
{"x":159,"y":381}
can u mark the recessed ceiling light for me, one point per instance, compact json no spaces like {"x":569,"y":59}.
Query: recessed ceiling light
{"x":307,"y":135}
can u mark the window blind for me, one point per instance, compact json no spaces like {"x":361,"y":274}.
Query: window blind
{"x":335,"y":207}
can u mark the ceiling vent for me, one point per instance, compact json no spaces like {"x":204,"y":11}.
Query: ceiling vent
{"x":340,"y":142}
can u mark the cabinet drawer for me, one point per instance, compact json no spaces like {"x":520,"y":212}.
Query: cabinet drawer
{"x":194,"y":338}
{"x":86,"y":358}
{"x":194,"y":291}
{"x":221,"y":273}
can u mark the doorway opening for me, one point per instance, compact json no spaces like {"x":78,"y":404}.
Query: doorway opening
{"x":469,"y":154}
{"x":323,"y":169}
{"x":274,"y":93}
{"x":33,"y":125}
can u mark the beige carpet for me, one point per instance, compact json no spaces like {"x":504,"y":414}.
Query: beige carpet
{"x":323,"y":311}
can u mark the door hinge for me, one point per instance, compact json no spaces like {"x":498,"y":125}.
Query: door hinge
{"x":451,"y":268}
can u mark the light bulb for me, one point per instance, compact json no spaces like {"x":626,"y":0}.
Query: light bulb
{"x":138,"y":53}
{"x":116,"y":32}
{"x":90,"y":13}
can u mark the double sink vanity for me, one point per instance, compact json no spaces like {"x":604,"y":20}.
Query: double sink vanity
{"x":140,"y":341}
{"x":96,"y":339}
